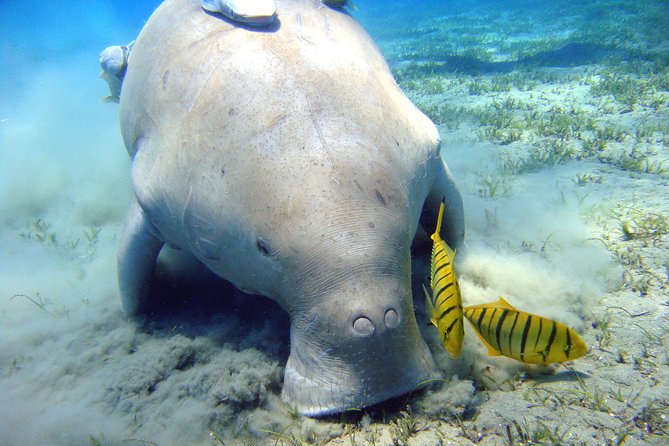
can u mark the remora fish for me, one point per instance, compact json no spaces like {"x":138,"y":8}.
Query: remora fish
{"x":114,"y":63}
{"x":523,"y":336}
{"x":444,"y":307}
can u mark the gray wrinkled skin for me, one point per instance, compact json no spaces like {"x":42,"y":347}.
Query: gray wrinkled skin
{"x":288,"y":162}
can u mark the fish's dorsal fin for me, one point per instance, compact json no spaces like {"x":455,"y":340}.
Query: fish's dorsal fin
{"x":429,"y":308}
{"x":499,"y":303}
{"x":436,"y":236}
{"x":502,"y":303}
{"x":449,"y":251}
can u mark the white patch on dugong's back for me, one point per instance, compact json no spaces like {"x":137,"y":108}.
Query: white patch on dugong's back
{"x":252,"y":12}
{"x":287,"y":160}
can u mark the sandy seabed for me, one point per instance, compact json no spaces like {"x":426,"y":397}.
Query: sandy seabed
{"x":554,"y":122}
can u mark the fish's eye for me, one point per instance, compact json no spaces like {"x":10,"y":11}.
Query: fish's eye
{"x":263,"y":247}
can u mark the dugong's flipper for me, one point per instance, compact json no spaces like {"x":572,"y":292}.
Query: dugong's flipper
{"x":137,"y":256}
{"x":251,"y":12}
{"x":453,"y":228}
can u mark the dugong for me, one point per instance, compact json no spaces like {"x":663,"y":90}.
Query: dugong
{"x":288,"y":162}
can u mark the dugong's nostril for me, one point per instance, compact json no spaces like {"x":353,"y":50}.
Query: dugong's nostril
{"x":363,"y":326}
{"x":392,"y":319}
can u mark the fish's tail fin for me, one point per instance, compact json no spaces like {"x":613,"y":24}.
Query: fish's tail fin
{"x":436,"y":236}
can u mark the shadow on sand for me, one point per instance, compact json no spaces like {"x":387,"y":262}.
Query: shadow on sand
{"x":192,"y":301}
{"x":570,"y":55}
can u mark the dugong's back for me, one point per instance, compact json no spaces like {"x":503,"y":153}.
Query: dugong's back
{"x":195,"y":73}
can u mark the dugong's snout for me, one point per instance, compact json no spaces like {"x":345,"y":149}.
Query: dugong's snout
{"x":356,"y":348}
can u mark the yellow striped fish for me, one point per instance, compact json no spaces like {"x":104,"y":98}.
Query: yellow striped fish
{"x":444,"y":306}
{"x":523,"y":336}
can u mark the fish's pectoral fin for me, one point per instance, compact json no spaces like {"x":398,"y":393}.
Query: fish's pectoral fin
{"x":491,"y":350}
{"x":429,"y":308}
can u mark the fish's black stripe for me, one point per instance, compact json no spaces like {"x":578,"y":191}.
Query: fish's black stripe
{"x":499,"y":328}
{"x":511,"y":334}
{"x":444,"y":276}
{"x":443,"y":279}
{"x":446,"y":311}
{"x":567,"y":349}
{"x":482,"y":315}
{"x":440,"y":267}
{"x":490,"y":327}
{"x":442,"y":252}
{"x":536,"y":341}
{"x":450,"y":327}
{"x":441,"y":290}
{"x":551,"y":339}
{"x":523,"y":339}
